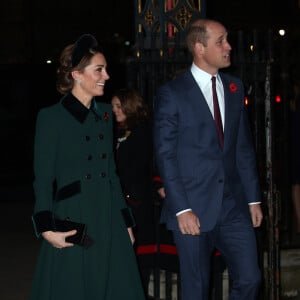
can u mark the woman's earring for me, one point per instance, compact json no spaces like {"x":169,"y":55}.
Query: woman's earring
{"x":78,"y":81}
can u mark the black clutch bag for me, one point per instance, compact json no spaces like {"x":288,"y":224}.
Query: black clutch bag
{"x":67,"y":225}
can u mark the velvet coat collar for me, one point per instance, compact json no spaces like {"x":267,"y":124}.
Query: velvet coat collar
{"x":77,"y":109}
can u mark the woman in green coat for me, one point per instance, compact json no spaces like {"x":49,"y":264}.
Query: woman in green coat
{"x":86,"y":251}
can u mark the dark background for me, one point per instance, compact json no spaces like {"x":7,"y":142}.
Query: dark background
{"x":33,"y":31}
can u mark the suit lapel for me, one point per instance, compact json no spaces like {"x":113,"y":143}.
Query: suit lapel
{"x":195,"y":94}
{"x":230,"y":109}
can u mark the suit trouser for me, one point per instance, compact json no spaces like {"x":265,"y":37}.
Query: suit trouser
{"x":234,"y":237}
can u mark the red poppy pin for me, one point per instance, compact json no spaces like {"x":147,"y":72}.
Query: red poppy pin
{"x":232,"y":87}
{"x":106,"y":116}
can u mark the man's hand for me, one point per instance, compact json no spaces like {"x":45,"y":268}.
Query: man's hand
{"x":188,"y":223}
{"x":256,"y":214}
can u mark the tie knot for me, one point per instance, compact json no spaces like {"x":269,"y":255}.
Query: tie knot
{"x":213,"y":79}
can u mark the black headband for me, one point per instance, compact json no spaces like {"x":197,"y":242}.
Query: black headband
{"x":82,"y":47}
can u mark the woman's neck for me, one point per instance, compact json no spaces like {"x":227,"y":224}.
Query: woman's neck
{"x":85,"y":99}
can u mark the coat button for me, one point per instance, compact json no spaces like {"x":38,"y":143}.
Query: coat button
{"x":103,"y":156}
{"x":102,"y":174}
{"x":89,"y":157}
{"x":88,"y":176}
{"x":100,"y":137}
{"x":220,"y":180}
{"x":87,"y":138}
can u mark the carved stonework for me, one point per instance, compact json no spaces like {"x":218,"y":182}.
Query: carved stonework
{"x":160,"y":22}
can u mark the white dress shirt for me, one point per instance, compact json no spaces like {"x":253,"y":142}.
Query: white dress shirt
{"x":203,"y":80}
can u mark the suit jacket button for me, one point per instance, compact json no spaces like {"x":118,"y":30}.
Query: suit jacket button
{"x":103,"y":155}
{"x":87,"y":138}
{"x":220,"y":180}
{"x":100,"y":137}
{"x":89,"y":157}
{"x":102,"y":174}
{"x":88,"y":176}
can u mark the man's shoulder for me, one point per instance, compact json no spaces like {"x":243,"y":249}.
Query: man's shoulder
{"x":230,"y":78}
{"x":178,"y":81}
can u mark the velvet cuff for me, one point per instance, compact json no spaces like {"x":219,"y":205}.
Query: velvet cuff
{"x":128,"y":217}
{"x":43,"y":221}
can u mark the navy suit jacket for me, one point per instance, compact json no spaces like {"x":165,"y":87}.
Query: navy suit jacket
{"x":192,"y":164}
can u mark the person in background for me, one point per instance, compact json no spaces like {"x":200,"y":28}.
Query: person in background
{"x":295,"y":150}
{"x":205,"y":156}
{"x":134,"y":151}
{"x":80,"y":213}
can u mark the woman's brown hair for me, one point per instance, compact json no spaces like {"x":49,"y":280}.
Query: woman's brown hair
{"x":65,"y":81}
{"x":75,"y":57}
{"x":133,"y":106}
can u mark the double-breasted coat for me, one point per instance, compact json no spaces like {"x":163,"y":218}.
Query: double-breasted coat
{"x":75,"y":179}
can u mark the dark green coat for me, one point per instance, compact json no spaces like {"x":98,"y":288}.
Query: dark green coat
{"x":75,"y":178}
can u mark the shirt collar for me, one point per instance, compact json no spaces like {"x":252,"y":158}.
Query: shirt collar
{"x":202,"y":78}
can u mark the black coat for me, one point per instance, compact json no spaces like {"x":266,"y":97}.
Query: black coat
{"x":134,"y":165}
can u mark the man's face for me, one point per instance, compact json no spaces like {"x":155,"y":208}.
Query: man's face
{"x":216,"y":53}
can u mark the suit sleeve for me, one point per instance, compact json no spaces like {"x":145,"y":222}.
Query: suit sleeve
{"x":166,"y":131}
{"x":246,"y":159}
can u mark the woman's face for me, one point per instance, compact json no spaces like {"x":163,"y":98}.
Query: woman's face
{"x":117,"y":110}
{"x":94,"y":76}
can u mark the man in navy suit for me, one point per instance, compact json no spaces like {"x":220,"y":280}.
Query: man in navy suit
{"x":207,"y":162}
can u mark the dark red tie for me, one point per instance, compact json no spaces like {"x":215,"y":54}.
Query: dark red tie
{"x":217,"y":114}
